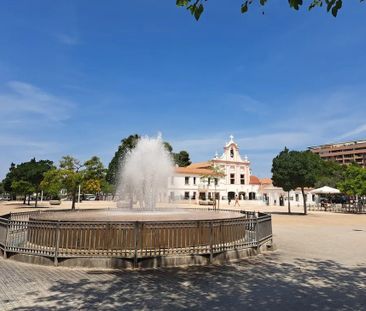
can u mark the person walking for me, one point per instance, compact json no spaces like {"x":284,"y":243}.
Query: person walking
{"x":236,"y":201}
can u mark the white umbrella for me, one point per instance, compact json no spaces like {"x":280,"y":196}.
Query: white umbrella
{"x":325,"y":190}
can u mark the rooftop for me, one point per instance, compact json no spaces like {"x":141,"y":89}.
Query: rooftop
{"x":340,"y":144}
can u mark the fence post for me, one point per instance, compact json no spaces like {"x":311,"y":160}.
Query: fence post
{"x":136,"y":229}
{"x":211,"y":241}
{"x":57,"y":243}
{"x":257,"y":232}
{"x":6,"y":239}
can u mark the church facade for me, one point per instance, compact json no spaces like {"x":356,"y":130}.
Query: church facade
{"x":226,"y":177}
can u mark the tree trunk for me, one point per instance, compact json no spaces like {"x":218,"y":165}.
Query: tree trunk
{"x":73,"y":200}
{"x":304,"y":198}
{"x":28,"y":199}
{"x":25,"y":199}
{"x":35,"y":203}
{"x":288,"y":202}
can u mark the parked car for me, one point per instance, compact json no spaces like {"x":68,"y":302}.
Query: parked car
{"x":90,"y":197}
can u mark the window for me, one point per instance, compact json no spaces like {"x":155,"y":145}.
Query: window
{"x":313,"y":197}
{"x":194,"y":180}
{"x":242,"y":179}
{"x":194,"y":196}
{"x":186,"y":195}
{"x":216,"y":181}
{"x":232,"y":179}
{"x":209,"y":181}
{"x":297,"y":197}
{"x":231,"y":153}
{"x":186,"y":180}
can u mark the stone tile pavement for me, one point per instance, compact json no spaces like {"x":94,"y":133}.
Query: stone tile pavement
{"x":263,"y":283}
{"x":320,"y":264}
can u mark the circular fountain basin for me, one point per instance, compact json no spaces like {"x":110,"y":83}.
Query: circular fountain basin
{"x":137,"y":215}
{"x":137,"y":238}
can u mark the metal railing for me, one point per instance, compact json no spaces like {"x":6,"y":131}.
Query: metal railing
{"x":132,"y":240}
{"x":340,"y":208}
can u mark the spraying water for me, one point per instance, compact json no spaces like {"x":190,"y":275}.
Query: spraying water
{"x":145,"y":172}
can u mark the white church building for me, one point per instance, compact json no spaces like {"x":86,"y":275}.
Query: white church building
{"x":228,"y":176}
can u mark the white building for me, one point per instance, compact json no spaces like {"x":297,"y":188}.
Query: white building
{"x":228,"y":176}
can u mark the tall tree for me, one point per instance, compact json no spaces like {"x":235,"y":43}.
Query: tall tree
{"x":331,"y":173}
{"x":282,"y":170}
{"x":196,"y":7}
{"x":354,"y":182}
{"x":68,"y":176}
{"x":73,"y":174}
{"x":306,"y":169}
{"x":8,"y":180}
{"x":127,"y":144}
{"x":22,"y":187}
{"x":28,"y":172}
{"x":36,"y":170}
{"x":296,"y":169}
{"x":182,"y":158}
{"x":52,"y":183}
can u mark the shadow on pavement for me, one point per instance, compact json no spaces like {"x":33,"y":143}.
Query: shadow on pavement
{"x":254,"y":284}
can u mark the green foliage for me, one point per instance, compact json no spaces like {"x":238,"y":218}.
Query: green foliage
{"x":94,"y":169}
{"x":196,"y":7}
{"x":127,"y":144}
{"x":168,"y":147}
{"x":354,"y":182}
{"x":331,"y":173}
{"x":22,"y":187}
{"x":9,"y":178}
{"x":296,"y":169}
{"x":71,"y":174}
{"x":52,"y":183}
{"x":182,"y":158}
{"x":30,"y":172}
{"x":70,"y":163}
{"x":92,"y":186}
{"x":282,"y":171}
{"x":106,"y":187}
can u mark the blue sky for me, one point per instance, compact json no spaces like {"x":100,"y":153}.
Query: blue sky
{"x":78,"y":76}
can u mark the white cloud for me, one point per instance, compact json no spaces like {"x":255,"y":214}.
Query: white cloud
{"x":21,"y":99}
{"x":351,"y":134}
{"x":30,"y":116}
{"x":244,"y":103}
{"x":308,"y":119}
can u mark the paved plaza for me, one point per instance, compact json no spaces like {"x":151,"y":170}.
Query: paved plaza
{"x":319,"y":264}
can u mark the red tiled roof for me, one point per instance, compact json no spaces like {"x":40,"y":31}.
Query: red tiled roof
{"x":254,"y":180}
{"x":201,"y":168}
{"x":266,"y":181}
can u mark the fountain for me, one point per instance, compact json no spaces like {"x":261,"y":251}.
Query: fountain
{"x":145,"y":172}
{"x":137,"y":235}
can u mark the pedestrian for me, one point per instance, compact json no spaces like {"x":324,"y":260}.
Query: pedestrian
{"x":236,"y":201}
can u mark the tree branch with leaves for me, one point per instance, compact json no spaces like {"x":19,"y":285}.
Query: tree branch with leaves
{"x":196,"y":7}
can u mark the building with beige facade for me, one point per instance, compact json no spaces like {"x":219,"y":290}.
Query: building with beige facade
{"x":343,"y":153}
